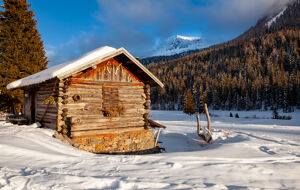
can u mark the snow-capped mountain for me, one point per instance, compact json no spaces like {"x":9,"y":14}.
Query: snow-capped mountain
{"x":283,"y":17}
{"x":178,"y":44}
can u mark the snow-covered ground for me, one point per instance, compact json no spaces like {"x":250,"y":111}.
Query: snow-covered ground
{"x":250,"y":152}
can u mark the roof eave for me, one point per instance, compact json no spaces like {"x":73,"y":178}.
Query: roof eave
{"x":142,"y":67}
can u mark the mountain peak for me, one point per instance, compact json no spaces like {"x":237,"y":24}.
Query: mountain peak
{"x":178,"y":44}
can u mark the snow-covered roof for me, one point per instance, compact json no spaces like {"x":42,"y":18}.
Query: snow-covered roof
{"x":66,"y":69}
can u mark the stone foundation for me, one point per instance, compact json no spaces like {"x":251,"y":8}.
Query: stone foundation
{"x":131,"y":141}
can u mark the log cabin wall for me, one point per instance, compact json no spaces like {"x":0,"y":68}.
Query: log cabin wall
{"x":43,"y":92}
{"x":104,"y":99}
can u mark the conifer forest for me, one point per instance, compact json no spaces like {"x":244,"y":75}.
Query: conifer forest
{"x":260,"y":73}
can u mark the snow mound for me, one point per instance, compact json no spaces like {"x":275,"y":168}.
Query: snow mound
{"x":62,"y":69}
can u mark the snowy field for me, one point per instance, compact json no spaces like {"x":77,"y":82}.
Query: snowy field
{"x":250,"y":152}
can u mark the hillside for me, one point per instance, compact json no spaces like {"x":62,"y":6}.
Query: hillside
{"x":256,"y":73}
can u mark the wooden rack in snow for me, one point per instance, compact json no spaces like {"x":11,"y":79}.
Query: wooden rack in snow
{"x":154,"y":124}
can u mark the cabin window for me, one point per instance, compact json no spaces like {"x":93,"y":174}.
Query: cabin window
{"x":111,"y":104}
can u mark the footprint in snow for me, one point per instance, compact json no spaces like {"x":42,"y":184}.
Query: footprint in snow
{"x":174,"y":165}
{"x":266,"y":150}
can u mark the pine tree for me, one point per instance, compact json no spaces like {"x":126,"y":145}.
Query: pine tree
{"x":21,"y":49}
{"x":189,"y":104}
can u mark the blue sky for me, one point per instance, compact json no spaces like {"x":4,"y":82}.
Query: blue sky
{"x":70,"y":28}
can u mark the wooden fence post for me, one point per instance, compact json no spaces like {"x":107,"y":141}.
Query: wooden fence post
{"x":208,"y":118}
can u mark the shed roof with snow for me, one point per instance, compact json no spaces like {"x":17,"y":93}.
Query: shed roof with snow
{"x":88,"y":60}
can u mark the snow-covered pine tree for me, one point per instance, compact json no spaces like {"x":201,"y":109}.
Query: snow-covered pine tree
{"x":21,"y":49}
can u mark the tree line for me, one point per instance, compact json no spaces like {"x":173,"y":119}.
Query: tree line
{"x":260,"y":73}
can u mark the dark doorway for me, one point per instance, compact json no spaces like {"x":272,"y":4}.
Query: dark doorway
{"x":33,"y":102}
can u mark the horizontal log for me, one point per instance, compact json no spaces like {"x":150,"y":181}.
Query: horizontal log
{"x":83,"y":91}
{"x":49,"y":114}
{"x":105,"y":120}
{"x":73,"y":92}
{"x":98,"y":105}
{"x":85,"y":95}
{"x":85,"y":112}
{"x":133,"y":111}
{"x":43,"y":91}
{"x":81,"y":103}
{"x":50,"y":109}
{"x":95,"y":127}
{"x":84,"y":106}
{"x":49,"y":120}
{"x":45,"y":95}
{"x":133,"y":86}
{"x":49,"y":88}
{"x":72,"y":89}
{"x":108,"y":83}
{"x":106,"y":131}
{"x":132,"y":106}
{"x":81,"y":106}
{"x":127,"y":91}
{"x":82,"y":85}
{"x":131,"y":95}
{"x":42,"y":105}
{"x":94,"y":114}
{"x":41,"y":100}
{"x":98,"y":108}
{"x":121,"y":117}
{"x":131,"y":101}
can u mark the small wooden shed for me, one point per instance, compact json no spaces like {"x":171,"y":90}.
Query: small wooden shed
{"x":99,"y":102}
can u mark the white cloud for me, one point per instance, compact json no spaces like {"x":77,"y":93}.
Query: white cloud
{"x":242,"y":12}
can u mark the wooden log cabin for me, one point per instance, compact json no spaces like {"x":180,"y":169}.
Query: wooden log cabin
{"x":99,"y":102}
